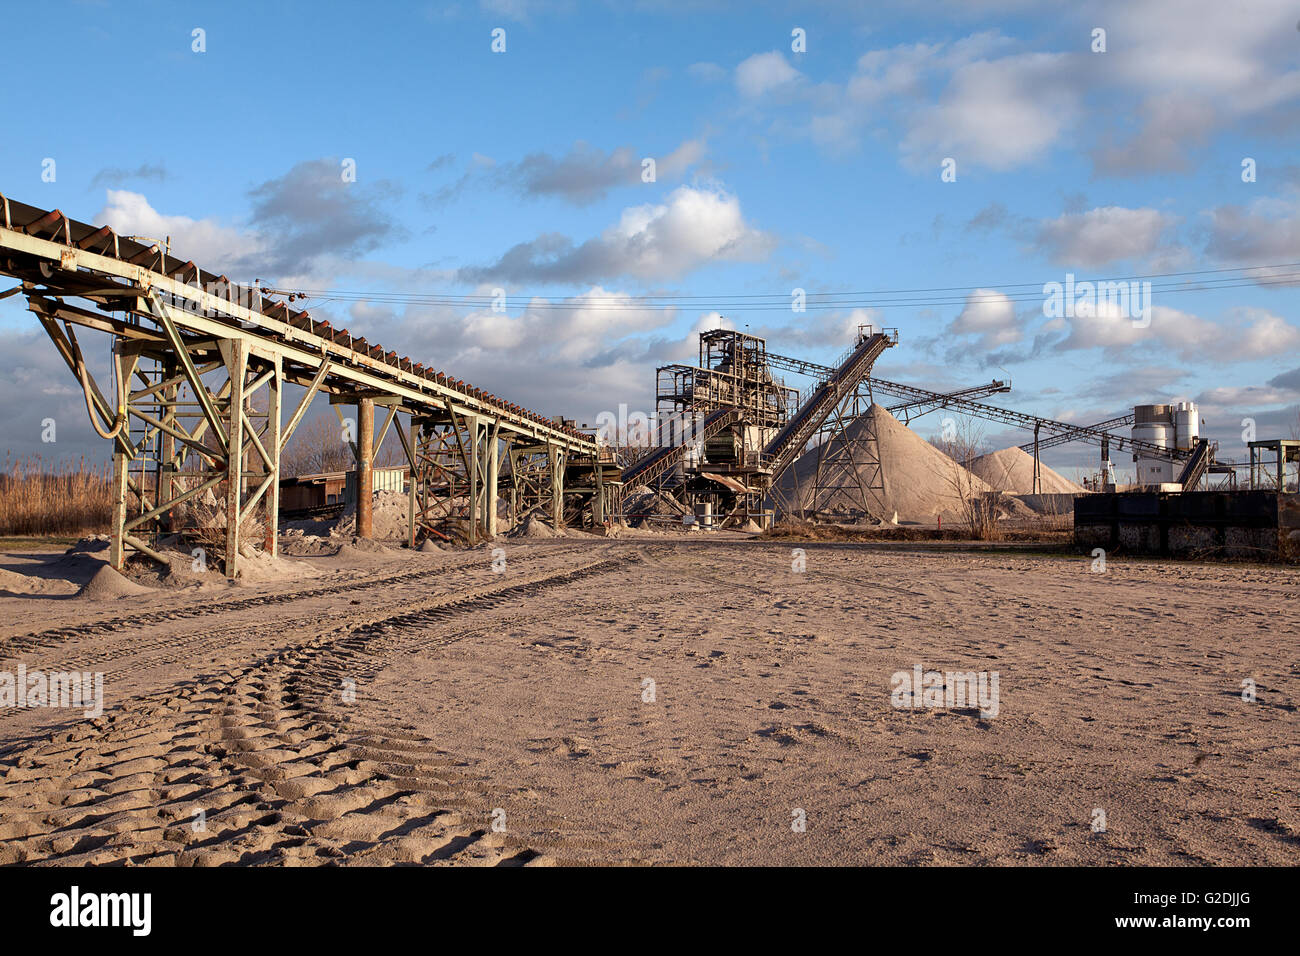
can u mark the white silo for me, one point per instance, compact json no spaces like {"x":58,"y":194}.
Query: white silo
{"x":1153,"y":424}
{"x":1168,"y":426}
{"x":1187,"y":424}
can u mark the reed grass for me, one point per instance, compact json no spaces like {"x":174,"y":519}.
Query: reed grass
{"x":38,"y":497}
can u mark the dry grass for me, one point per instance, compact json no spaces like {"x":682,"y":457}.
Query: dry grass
{"x":40,"y":498}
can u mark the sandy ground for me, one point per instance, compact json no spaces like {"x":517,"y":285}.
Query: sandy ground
{"x":506,"y":717}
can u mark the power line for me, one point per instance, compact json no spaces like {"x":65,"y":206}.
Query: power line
{"x":826,"y":301}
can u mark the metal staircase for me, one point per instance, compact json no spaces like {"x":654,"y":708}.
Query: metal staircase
{"x":654,"y":469}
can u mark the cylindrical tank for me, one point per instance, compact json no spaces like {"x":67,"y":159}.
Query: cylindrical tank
{"x":1186,"y":425}
{"x":1154,"y":424}
{"x":704,"y":514}
{"x":1157,"y":433}
{"x":1146,"y":414}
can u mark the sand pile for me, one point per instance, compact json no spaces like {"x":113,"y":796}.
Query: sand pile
{"x":14,"y":583}
{"x":362,"y":547}
{"x":1012,"y":470}
{"x":184,"y":570}
{"x":534,"y":525}
{"x":294,"y":542}
{"x":256,"y":566}
{"x":920,"y":483}
{"x":389,"y":517}
{"x":640,"y":501}
{"x":90,"y":544}
{"x":108,"y":584}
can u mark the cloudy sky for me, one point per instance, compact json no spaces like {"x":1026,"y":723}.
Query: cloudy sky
{"x":973,"y":151}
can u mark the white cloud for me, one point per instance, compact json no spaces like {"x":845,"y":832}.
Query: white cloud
{"x":1248,"y":334}
{"x":1263,"y":232}
{"x":1251,"y":396}
{"x":307,"y":215}
{"x":1103,"y":235}
{"x":212,"y":246}
{"x":583,"y":354}
{"x":833,"y":330}
{"x":1196,"y":66}
{"x":1258,"y":333}
{"x":990,"y":315}
{"x":999,"y":113}
{"x":1175,"y":73}
{"x":707,"y":72}
{"x":693,"y":227}
{"x":764,"y":72}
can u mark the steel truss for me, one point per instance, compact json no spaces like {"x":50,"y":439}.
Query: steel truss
{"x":454,"y":486}
{"x":175,"y":435}
{"x":855,"y":457}
{"x":196,"y":412}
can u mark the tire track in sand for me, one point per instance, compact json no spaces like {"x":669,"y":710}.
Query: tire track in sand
{"x":282,"y":773}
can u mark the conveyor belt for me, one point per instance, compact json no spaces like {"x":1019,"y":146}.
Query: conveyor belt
{"x":64,"y":258}
{"x":789,"y":442}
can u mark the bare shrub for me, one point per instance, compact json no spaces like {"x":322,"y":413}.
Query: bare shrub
{"x":316,"y":447}
{"x":202,"y":521}
{"x":979,"y":509}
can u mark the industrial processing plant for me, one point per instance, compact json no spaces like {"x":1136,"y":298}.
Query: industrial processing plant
{"x":600,"y":435}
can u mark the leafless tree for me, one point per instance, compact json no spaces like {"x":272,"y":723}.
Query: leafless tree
{"x":317,"y":446}
{"x":979,"y":509}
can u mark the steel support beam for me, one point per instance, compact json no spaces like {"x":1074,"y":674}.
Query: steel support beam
{"x":556,"y":458}
{"x":275,"y":399}
{"x":365,"y":467}
{"x":236,"y":353}
{"x":493,"y":470}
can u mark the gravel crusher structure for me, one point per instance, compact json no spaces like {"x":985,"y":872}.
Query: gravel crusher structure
{"x":728,"y":427}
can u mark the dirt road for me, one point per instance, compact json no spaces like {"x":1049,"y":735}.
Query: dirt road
{"x":669,"y":700}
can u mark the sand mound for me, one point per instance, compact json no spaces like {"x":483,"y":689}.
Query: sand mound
{"x":256,"y":566}
{"x":12,"y":582}
{"x":183,"y":572}
{"x":533,"y":526}
{"x":1012,"y":470}
{"x":301,"y":545}
{"x":361,"y":548}
{"x":389,"y":517}
{"x":641,"y":500}
{"x":108,"y":584}
{"x":89,"y":545}
{"x":917,"y":482}
{"x":430,"y":546}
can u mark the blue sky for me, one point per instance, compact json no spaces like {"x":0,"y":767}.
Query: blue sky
{"x":776,"y":170}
